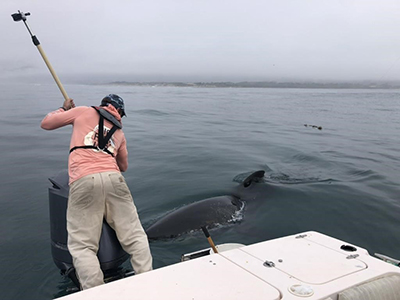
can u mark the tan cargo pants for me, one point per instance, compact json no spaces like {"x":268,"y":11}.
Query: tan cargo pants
{"x":92,"y":198}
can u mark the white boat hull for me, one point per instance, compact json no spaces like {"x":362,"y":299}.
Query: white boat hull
{"x":309,"y":265}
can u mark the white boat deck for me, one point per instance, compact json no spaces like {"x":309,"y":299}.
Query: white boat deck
{"x":309,"y":265}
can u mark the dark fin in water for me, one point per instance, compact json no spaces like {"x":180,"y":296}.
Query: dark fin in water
{"x":249,"y":180}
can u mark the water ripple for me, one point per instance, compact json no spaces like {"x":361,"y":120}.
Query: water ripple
{"x":151,"y":112}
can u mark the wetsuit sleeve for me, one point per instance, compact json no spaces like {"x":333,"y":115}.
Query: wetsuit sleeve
{"x":60,"y":118}
{"x":122,"y":156}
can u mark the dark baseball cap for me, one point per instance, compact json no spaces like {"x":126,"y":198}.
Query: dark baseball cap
{"x":115,"y":101}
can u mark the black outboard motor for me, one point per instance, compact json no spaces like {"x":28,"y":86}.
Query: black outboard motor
{"x":110,"y":254}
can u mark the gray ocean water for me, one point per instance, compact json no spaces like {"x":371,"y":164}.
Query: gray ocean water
{"x":187,"y":144}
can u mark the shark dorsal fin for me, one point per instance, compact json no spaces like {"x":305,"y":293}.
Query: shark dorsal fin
{"x":249,"y":179}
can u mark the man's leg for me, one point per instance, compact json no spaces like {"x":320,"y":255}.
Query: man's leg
{"x":84,"y":223}
{"x":122,"y":216}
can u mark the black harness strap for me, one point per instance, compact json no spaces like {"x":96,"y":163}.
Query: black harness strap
{"x":102,"y":140}
{"x":91,"y":147}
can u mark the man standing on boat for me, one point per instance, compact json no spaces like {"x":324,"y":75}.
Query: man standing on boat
{"x":98,"y":190}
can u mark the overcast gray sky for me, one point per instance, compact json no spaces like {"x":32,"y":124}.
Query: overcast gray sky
{"x":205,"y":40}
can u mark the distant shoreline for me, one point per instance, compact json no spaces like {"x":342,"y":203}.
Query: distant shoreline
{"x":266,"y":84}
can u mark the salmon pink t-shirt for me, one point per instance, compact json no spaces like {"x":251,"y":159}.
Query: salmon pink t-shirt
{"x":85,"y":122}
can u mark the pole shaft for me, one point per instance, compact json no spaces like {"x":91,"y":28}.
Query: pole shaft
{"x":53,"y":73}
{"x":212,"y":245}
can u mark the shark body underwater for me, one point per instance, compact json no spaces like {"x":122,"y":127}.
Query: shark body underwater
{"x":207,"y":212}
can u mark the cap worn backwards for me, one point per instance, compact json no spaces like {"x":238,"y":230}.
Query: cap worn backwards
{"x":115,"y":101}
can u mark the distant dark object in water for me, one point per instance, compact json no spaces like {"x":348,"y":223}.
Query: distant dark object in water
{"x":313,"y":126}
{"x":208,"y":212}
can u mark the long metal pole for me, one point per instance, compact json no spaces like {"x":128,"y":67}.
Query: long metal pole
{"x":53,"y":73}
{"x":22,"y":16}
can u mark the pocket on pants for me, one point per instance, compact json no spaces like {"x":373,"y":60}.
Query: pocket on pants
{"x":119,"y":184}
{"x":81,"y":191}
